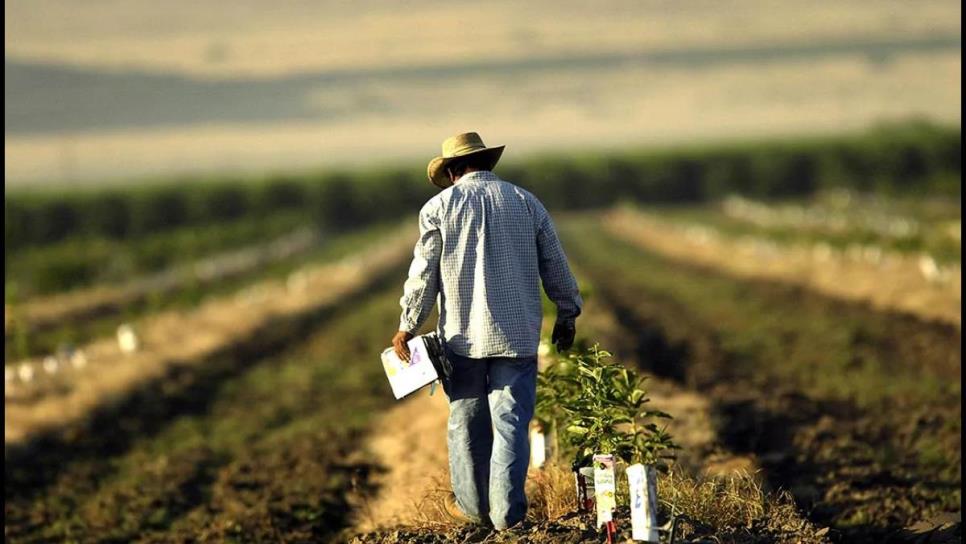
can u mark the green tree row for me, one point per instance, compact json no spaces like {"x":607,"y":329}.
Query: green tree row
{"x":335,"y":201}
{"x":912,"y":157}
{"x":907,"y":157}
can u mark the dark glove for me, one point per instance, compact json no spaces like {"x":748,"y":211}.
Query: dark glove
{"x":563,"y":335}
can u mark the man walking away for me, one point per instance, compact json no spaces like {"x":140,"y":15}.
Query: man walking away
{"x":484,"y":247}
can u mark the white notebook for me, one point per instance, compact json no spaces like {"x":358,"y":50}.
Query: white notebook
{"x":406,"y":377}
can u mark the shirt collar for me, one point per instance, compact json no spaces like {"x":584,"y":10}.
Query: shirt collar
{"x":479,"y":175}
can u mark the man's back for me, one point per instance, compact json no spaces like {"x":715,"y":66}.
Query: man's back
{"x":484,"y":246}
{"x":491,"y":243}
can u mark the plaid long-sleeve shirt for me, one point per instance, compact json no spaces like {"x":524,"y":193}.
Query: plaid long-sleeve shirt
{"x":484,"y":247}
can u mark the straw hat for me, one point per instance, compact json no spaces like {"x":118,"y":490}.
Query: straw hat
{"x":461,"y":145}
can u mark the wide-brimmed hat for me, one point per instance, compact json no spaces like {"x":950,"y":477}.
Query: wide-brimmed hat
{"x":455,"y":147}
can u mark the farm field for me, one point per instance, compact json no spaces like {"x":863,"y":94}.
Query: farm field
{"x":257,"y":317}
{"x":210,"y":209}
{"x":815,"y":392}
{"x":910,"y":280}
{"x":80,"y":260}
{"x":242,"y":448}
{"x":794,"y":304}
{"x":819,"y":391}
{"x":47,"y":324}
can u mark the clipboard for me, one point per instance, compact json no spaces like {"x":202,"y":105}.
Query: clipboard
{"x":427,"y":363}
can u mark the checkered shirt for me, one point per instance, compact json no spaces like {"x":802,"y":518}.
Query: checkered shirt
{"x":484,"y":247}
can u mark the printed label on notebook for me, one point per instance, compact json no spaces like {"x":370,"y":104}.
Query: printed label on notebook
{"x":408,"y":376}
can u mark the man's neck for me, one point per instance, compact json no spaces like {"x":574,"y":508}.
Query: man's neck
{"x":466,"y":173}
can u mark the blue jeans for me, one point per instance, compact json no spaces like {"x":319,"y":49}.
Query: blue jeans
{"x":491,"y":403}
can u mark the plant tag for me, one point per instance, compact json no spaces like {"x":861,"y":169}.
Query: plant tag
{"x":127,"y":339}
{"x":643,"y":491}
{"x":538,"y":448}
{"x":604,"y":487}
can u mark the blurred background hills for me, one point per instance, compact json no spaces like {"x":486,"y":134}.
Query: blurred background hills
{"x":121,"y":91}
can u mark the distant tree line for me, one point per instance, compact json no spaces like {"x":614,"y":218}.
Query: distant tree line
{"x":906,"y":157}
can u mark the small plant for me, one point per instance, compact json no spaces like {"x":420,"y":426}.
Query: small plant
{"x":596,"y":405}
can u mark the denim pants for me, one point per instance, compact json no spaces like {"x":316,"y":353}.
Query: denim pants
{"x":491,"y":402}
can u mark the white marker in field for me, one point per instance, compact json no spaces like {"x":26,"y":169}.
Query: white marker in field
{"x":543,"y":349}
{"x":643,"y":494}
{"x":78,"y":359}
{"x":538,"y":448}
{"x":26,"y":372}
{"x":930,"y":270}
{"x":51,"y":364}
{"x":127,"y":339}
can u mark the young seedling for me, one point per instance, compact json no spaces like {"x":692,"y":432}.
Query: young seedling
{"x":598,"y":406}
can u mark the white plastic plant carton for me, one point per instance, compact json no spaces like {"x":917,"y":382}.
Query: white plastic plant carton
{"x":642,"y":484}
{"x":605,"y":488}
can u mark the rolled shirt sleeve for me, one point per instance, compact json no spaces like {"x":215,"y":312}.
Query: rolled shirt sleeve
{"x":422,"y":286}
{"x":558,"y":281}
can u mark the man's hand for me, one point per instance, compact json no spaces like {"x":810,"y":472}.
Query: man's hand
{"x":563,"y":335}
{"x":400,"y":346}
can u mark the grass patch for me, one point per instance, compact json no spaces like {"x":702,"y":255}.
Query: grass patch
{"x":734,"y":508}
{"x":730,"y":509}
{"x":551,"y":492}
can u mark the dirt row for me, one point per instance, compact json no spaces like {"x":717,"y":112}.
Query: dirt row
{"x":43,"y":313}
{"x":872,"y":464}
{"x":408,"y":442}
{"x":264,"y":441}
{"x":897,"y":283}
{"x":407,"y":492}
{"x":258,"y":442}
{"x":177,"y":338}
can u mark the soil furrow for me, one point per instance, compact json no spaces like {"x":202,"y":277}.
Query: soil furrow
{"x":176,"y":338}
{"x":895,"y":283}
{"x":865,"y":455}
{"x":258,"y":443}
{"x":49,"y":312}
